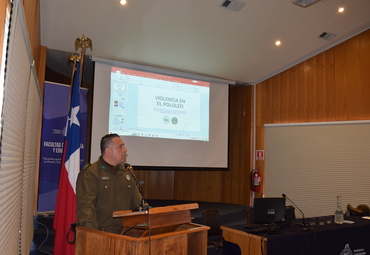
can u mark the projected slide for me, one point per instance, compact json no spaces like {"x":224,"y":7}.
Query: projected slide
{"x":158,"y":106}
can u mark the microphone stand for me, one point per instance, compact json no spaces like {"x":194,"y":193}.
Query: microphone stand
{"x":144,"y":206}
{"x":303,"y":223}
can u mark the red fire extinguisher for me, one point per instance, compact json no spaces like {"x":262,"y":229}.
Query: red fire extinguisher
{"x":256,"y":180}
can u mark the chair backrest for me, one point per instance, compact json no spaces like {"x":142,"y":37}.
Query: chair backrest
{"x":211,"y":218}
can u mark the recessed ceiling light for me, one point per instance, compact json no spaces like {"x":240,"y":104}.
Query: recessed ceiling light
{"x":277,"y":43}
{"x":341,"y":9}
{"x":123,"y":2}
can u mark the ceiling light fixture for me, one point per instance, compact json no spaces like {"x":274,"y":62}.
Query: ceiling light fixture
{"x":305,"y":3}
{"x":232,"y":5}
{"x":277,"y":43}
{"x":341,"y":9}
{"x":123,"y":2}
{"x":327,"y":36}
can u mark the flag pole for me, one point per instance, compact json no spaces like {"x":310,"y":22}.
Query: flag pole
{"x":74,"y":58}
{"x":65,"y":210}
{"x":82,"y":43}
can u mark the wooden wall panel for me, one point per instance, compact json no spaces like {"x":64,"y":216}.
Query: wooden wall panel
{"x":261,"y":106}
{"x":352,"y":77}
{"x":331,"y":86}
{"x":235,"y":184}
{"x":292,"y":90}
{"x":32,"y":13}
{"x":157,"y":184}
{"x":3,"y":7}
{"x":198,"y":185}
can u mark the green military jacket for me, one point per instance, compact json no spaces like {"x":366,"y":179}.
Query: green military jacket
{"x":102,"y":189}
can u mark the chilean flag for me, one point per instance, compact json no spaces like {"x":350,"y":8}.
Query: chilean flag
{"x":65,"y":209}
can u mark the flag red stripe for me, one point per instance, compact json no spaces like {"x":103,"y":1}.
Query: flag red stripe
{"x":65,"y":215}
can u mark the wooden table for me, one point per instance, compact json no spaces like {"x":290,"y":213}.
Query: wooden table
{"x":248,"y":243}
{"x":319,"y":240}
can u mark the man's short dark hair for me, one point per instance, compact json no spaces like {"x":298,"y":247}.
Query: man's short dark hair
{"x":105,"y":141}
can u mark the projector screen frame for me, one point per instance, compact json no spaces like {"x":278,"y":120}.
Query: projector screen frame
{"x":170,"y":167}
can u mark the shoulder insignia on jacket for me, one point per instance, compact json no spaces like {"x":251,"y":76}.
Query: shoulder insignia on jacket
{"x":86,"y":166}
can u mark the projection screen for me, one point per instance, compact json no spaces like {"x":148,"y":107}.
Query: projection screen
{"x":168,"y":120}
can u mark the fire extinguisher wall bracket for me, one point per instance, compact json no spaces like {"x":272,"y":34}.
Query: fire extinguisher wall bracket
{"x":256,"y":180}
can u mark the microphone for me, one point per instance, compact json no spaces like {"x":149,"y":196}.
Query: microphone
{"x":303,"y":223}
{"x":144,"y":205}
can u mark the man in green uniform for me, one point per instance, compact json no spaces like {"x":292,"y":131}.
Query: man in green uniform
{"x":106,"y":186}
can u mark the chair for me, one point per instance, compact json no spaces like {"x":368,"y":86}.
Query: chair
{"x":211,"y":218}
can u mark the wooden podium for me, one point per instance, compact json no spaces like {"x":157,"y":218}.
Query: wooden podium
{"x":162,"y":230}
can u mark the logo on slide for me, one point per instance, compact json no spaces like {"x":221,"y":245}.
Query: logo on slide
{"x":174,"y":120}
{"x":166,"y":119}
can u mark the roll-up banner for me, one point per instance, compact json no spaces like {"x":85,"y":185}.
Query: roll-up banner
{"x":54,"y":119}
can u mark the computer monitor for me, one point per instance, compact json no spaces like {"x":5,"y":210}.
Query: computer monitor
{"x":268,"y":210}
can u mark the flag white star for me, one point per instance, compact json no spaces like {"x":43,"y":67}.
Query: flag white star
{"x":74,"y":112}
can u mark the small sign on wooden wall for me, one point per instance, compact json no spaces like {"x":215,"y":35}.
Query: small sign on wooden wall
{"x":260,"y":155}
